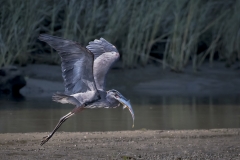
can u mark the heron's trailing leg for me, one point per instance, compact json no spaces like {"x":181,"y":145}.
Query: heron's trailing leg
{"x":63,"y":119}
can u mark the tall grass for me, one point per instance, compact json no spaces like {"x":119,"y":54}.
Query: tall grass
{"x":19,"y":28}
{"x":136,"y":27}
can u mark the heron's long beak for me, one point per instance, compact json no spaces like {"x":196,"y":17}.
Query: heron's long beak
{"x":126,"y":103}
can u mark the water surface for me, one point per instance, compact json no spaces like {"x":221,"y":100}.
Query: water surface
{"x":154,"y":113}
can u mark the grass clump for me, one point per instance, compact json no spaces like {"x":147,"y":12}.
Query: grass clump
{"x":19,"y":28}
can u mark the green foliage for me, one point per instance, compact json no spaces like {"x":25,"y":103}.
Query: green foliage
{"x":135,"y":26}
{"x":19,"y":28}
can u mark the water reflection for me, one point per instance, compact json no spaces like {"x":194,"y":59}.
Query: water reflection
{"x":37,"y":115}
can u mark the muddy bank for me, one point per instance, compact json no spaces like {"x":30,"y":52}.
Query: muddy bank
{"x":184,"y":144}
{"x":44,"y":80}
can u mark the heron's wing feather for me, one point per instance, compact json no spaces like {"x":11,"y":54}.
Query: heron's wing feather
{"x":77,"y":64}
{"x":103,"y":60}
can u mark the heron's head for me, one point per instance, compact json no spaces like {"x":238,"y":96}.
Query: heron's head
{"x":119,"y":97}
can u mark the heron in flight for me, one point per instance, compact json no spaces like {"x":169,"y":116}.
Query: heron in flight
{"x":84,"y":70}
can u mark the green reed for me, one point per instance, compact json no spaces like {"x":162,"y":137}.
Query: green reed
{"x":135,"y":27}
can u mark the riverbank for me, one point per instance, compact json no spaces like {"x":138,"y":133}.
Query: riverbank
{"x":140,"y":144}
{"x":44,"y":80}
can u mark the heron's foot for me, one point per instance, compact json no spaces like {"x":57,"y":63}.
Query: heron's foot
{"x":45,"y":139}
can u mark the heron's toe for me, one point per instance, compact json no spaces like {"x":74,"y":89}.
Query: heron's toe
{"x":45,"y":139}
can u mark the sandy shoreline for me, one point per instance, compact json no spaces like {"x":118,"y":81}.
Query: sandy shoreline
{"x":158,"y":144}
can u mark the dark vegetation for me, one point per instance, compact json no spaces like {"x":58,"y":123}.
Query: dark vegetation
{"x":173,"y":32}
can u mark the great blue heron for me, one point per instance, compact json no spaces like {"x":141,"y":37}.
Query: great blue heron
{"x":83,"y":72}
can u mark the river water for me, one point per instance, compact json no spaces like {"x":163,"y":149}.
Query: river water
{"x":153,"y":113}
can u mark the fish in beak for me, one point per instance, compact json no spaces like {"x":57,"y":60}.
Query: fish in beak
{"x":126,"y":104}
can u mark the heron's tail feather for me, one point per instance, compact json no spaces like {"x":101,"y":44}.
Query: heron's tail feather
{"x":63,"y":98}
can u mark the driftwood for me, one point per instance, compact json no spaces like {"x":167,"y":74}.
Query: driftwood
{"x":11,"y":81}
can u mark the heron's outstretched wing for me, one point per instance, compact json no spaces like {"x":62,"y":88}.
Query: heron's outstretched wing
{"x":105,"y":54}
{"x":77,"y":64}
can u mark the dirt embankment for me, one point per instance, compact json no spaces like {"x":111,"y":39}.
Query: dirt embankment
{"x":189,"y":144}
{"x":44,"y":80}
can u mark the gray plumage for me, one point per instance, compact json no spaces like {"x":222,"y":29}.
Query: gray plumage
{"x":105,"y":54}
{"x":84,"y":71}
